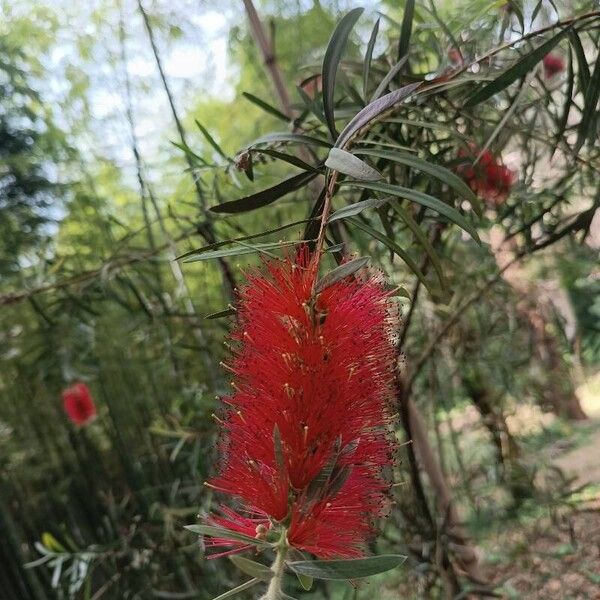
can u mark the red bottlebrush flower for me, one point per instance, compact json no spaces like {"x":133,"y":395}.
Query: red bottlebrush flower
{"x":305,"y":435}
{"x":553,"y":64}
{"x":489,"y":178}
{"x":79,"y":404}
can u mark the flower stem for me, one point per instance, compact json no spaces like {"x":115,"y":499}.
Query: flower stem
{"x":274,"y":590}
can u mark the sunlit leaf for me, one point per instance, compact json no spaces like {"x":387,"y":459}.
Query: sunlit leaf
{"x":266,"y":106}
{"x":388,"y":78}
{"x":420,"y":198}
{"x":356,"y":208}
{"x":347,"y":163}
{"x":441,"y":173}
{"x":239,"y":250}
{"x":210,"y":139}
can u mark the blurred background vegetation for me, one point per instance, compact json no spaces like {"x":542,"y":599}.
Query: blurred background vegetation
{"x":120,"y":125}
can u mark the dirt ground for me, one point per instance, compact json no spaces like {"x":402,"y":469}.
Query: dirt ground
{"x":558,"y":557}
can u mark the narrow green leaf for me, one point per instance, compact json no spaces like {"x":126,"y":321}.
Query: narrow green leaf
{"x":422,"y":239}
{"x":335,"y":248}
{"x":239,"y":250}
{"x":251,"y":567}
{"x":564,"y":118}
{"x":331,"y":61}
{"x":210,"y":139}
{"x":341,"y":272}
{"x":265,"y":197}
{"x":519,"y":69}
{"x":396,"y":249}
{"x":582,"y":65}
{"x":187,"y":150}
{"x":388,"y":78}
{"x":369,"y":58}
{"x":348,"y":164}
{"x":441,"y":173}
{"x":305,"y":581}
{"x":241,"y":239}
{"x":238,"y":589}
{"x":420,"y":198}
{"x":292,"y":138}
{"x":355,"y":568}
{"x":227,"y":312}
{"x":266,"y":106}
{"x":374,"y":110}
{"x":288,"y":158}
{"x":354,"y":209}
{"x":590,"y":101}
{"x":405,"y":32}
{"x":221,"y":532}
{"x":312,"y":105}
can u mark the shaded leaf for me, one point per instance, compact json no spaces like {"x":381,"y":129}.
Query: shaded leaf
{"x":237,"y":590}
{"x":341,"y":272}
{"x":265,"y":197}
{"x":288,"y":158}
{"x":405,"y":32}
{"x":221,"y":532}
{"x":585,"y":128}
{"x":227,"y":312}
{"x":347,"y":163}
{"x":251,"y":567}
{"x":369,"y":58}
{"x":422,"y":239}
{"x":519,"y":69}
{"x":356,"y":568}
{"x":331,"y":61}
{"x":373,"y":110}
{"x":396,"y":249}
{"x":583,"y":68}
{"x":388,"y":78}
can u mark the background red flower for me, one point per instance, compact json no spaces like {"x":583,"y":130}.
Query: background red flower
{"x":79,"y":404}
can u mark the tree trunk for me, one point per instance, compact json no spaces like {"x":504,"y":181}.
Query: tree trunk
{"x":536,"y":308}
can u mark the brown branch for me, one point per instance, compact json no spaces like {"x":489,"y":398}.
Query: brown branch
{"x":268,"y":53}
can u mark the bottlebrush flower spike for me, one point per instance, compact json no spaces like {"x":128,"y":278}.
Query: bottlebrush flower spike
{"x":305,"y":433}
{"x":79,"y":404}
{"x":489,"y":178}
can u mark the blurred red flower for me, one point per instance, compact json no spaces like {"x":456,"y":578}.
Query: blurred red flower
{"x":305,"y":435}
{"x":79,"y":404}
{"x":489,"y":178}
{"x":553,"y":64}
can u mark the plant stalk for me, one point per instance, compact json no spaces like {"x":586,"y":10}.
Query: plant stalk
{"x":274,"y":591}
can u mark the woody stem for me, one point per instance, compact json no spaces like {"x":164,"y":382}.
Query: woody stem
{"x":324,"y":216}
{"x":274,"y":590}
